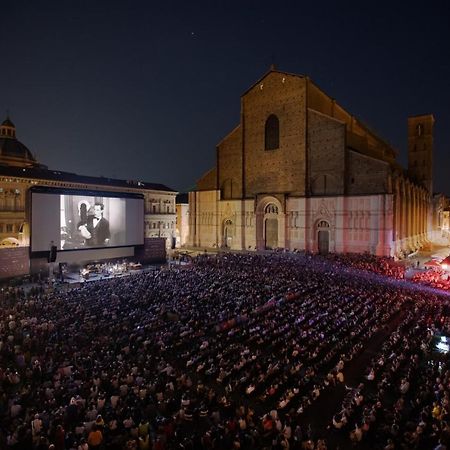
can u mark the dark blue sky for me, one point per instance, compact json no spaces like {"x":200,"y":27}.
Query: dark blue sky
{"x":145,"y":90}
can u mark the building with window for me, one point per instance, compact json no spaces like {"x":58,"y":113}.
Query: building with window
{"x":301,"y":172}
{"x":182,"y":230}
{"x":20,"y":171}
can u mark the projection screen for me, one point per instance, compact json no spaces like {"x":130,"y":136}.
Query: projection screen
{"x":77,"y":220}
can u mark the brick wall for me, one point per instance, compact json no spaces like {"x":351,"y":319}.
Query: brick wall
{"x":283,"y":169}
{"x":229,"y":162}
{"x":420,"y":150}
{"x":208,"y":181}
{"x":366,"y":175}
{"x":326,"y":154}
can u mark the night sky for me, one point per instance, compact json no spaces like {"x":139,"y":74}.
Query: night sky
{"x":145,"y":90}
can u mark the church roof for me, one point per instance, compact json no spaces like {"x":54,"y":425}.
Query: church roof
{"x":311,"y":85}
{"x":272,"y":70}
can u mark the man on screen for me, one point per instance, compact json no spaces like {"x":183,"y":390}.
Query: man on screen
{"x":96,"y":231}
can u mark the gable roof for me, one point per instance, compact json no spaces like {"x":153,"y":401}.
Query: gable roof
{"x":270,"y":71}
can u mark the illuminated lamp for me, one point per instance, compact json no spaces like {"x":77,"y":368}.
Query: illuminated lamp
{"x":442,"y":346}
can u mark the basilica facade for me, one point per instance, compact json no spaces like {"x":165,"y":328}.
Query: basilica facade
{"x":299,"y":172}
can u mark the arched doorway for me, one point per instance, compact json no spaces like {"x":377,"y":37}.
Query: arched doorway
{"x":271,"y":226}
{"x":228,"y":233}
{"x":270,"y":223}
{"x":10,"y":242}
{"x":323,"y":237}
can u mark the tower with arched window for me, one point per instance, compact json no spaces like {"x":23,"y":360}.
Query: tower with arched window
{"x":420,"y":150}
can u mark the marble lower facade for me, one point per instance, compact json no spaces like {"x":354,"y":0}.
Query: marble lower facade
{"x":356,"y":224}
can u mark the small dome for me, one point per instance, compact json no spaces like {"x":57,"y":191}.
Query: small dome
{"x":7,"y":123}
{"x":12,"y":151}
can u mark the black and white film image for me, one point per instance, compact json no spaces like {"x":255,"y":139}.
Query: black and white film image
{"x":92,"y":222}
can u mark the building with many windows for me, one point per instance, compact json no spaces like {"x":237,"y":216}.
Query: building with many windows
{"x":20,"y":171}
{"x":301,"y":172}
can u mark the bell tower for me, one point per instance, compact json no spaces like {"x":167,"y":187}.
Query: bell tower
{"x":420,"y":150}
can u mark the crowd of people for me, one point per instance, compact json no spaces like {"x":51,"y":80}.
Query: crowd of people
{"x":231,"y":352}
{"x":435,"y":277}
{"x":382,"y":265}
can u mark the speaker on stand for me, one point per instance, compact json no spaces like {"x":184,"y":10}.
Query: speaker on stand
{"x":52,"y":254}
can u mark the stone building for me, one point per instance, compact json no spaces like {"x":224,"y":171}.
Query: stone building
{"x":182,"y":224}
{"x":441,"y":218}
{"x":300,"y":172}
{"x":20,"y":171}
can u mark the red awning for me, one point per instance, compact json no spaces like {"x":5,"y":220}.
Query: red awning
{"x":432,"y":263}
{"x":446,"y":261}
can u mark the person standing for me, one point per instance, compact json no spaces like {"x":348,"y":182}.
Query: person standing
{"x":96,"y":231}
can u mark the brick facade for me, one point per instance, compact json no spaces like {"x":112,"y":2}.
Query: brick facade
{"x":326,"y":154}
{"x":325,"y":173}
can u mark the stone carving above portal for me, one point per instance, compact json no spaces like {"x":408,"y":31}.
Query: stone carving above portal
{"x":322,"y":210}
{"x":228,"y":212}
{"x":262,"y":200}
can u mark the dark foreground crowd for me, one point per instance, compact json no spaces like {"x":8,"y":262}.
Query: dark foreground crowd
{"x":233,"y":352}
